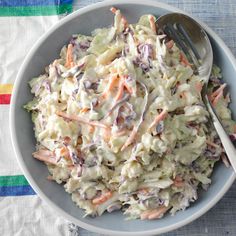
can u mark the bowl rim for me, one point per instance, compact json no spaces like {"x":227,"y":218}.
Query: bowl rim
{"x":16,"y":148}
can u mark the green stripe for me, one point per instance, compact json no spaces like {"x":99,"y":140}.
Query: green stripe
{"x":36,"y":10}
{"x":15,"y":180}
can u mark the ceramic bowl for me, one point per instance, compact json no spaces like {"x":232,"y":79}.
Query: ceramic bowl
{"x":46,"y":50}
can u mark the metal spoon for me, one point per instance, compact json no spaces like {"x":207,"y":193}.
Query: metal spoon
{"x":191,"y":38}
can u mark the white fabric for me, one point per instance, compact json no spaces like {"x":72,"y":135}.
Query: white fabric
{"x":8,"y":162}
{"x":17,"y":35}
{"x":21,"y":215}
{"x":29,"y":216}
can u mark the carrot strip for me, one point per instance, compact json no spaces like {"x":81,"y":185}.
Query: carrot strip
{"x":198,"y":86}
{"x":103,"y":198}
{"x":81,"y":119}
{"x":64,"y":152}
{"x":144,"y":215}
{"x":178,"y":182}
{"x":129,"y":89}
{"x":217,"y":98}
{"x":67,"y":140}
{"x":69,"y":56}
{"x":159,"y":118}
{"x":110,"y":86}
{"x":208,"y":142}
{"x":45,"y":155}
{"x":84,"y":110}
{"x":123,"y":19}
{"x":153,"y":214}
{"x":214,"y":94}
{"x":157,"y":213}
{"x":152,"y":23}
{"x":107,"y":134}
{"x":120,"y":91}
{"x":130,"y":138}
{"x":183,"y":59}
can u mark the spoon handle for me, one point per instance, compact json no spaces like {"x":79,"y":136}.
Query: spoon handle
{"x":225,"y":140}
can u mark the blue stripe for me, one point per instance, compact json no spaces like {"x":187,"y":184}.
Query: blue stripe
{"x":25,"y":3}
{"x":16,"y":191}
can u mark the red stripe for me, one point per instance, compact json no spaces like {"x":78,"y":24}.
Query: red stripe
{"x":5,"y":98}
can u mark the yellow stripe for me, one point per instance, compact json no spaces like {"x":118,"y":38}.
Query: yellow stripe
{"x":6,"y":88}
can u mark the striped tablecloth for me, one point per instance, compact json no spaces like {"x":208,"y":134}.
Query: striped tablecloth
{"x":22,"y":22}
{"x":22,"y":213}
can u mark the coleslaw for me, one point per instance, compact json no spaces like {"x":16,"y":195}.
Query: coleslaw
{"x":120,"y":123}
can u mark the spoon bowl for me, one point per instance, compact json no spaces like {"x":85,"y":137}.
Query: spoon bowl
{"x":191,"y":38}
{"x":199,"y":50}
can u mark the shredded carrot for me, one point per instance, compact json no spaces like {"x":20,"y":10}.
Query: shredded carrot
{"x":84,"y":110}
{"x":123,"y":19}
{"x":107,"y":134}
{"x":103,"y":198}
{"x":198,"y":86}
{"x":178,"y":182}
{"x":129,"y":89}
{"x":64,"y":152}
{"x":215,"y":93}
{"x":159,"y":118}
{"x":157,"y":213}
{"x":45,"y":155}
{"x":111,"y":84}
{"x":67,"y":139}
{"x":80,"y":119}
{"x":120,"y":90}
{"x":153,"y":214}
{"x":69,"y":56}
{"x":170,"y":44}
{"x":152,"y":23}
{"x":130,"y":139}
{"x":183,"y":60}
{"x":217,"y":98}
{"x":144,"y":215}
{"x":210,"y":143}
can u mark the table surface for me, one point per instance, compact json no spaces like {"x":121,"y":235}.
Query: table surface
{"x":220,"y":16}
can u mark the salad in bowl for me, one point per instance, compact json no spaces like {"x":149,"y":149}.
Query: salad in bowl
{"x":120,"y":122}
